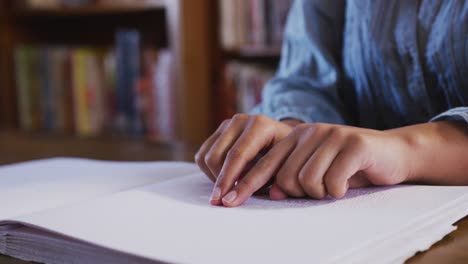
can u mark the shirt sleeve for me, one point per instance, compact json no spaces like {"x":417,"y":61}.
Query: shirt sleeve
{"x":454,"y":114}
{"x":306,"y":84}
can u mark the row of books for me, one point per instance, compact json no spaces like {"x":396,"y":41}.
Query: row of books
{"x":89,"y":91}
{"x":241,"y":87}
{"x":252,"y":23}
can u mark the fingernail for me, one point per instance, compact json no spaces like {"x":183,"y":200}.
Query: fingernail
{"x":216,"y":194}
{"x":230,"y":197}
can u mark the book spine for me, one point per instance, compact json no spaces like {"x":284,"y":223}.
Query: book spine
{"x":267,"y":18}
{"x":23,"y":87}
{"x":57,"y":88}
{"x":34,"y":88}
{"x":47,"y":99}
{"x":94,"y":93}
{"x":82,"y":123}
{"x":128,"y":54}
{"x":227,"y":33}
{"x":278,"y":17}
{"x":110,"y":97}
{"x":68,"y":92}
{"x":164,"y":96}
{"x":241,"y":27}
{"x":258,"y":28}
{"x":146,"y":87}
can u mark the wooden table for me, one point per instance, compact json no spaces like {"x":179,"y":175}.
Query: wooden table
{"x":16,"y":147}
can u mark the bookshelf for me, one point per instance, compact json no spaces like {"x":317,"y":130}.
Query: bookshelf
{"x":95,"y":9}
{"x":249,"y":48}
{"x":182,"y":27}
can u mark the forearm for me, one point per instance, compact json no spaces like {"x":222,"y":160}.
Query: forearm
{"x":437,"y":152}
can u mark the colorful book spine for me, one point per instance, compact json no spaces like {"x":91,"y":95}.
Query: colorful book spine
{"x":110,"y":90}
{"x":80,"y":93}
{"x":128,"y":56}
{"x":95,"y":92}
{"x":60,"y":87}
{"x":164,"y":96}
{"x":23,"y":83}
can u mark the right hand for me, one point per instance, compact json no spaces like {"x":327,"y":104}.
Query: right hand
{"x":224,"y":156}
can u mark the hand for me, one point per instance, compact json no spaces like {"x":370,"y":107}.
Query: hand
{"x":224,"y":155}
{"x":317,"y":160}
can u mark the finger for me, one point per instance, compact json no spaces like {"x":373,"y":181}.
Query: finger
{"x":311,"y":174}
{"x":346,"y":164}
{"x":287,"y":177}
{"x":359,"y":180}
{"x":215,"y":156}
{"x":200,"y":155}
{"x":276,"y":193}
{"x":256,"y":137}
{"x":260,"y":174}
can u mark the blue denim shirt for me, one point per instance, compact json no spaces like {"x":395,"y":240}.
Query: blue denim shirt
{"x":372,"y":63}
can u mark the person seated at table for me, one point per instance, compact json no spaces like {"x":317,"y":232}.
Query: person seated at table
{"x":368,"y":92}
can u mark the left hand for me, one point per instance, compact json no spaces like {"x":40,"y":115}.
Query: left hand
{"x":317,"y":160}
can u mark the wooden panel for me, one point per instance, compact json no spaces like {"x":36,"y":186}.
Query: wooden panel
{"x":95,"y":9}
{"x":17,"y":147}
{"x":8,"y":117}
{"x":191,"y":27}
{"x":95,"y":29}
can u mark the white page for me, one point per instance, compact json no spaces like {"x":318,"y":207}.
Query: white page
{"x":172,"y":221}
{"x":37,"y":185}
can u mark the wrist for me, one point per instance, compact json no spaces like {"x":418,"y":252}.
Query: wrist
{"x":413,"y":143}
{"x":436,"y":152}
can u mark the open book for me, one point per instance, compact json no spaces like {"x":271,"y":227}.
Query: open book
{"x":84,"y":211}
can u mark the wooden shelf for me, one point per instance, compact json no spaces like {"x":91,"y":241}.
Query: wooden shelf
{"x":92,"y":10}
{"x":255,"y":52}
{"x":24,"y":146}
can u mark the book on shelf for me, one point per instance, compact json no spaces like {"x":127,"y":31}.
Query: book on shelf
{"x":128,"y":70}
{"x":83,"y":211}
{"x":155,"y":94}
{"x":93,"y":91}
{"x":88,"y":88}
{"x":241,"y":87}
{"x":28,"y":82}
{"x":252,"y":23}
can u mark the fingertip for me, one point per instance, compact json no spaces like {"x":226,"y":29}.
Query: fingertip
{"x":216,"y":202}
{"x":232,"y":199}
{"x":338,"y":192}
{"x":276,"y":193}
{"x":215,"y":198}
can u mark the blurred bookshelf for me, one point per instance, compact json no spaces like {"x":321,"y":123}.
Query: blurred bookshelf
{"x":45,"y":8}
{"x":250,"y":34}
{"x":92,"y":69}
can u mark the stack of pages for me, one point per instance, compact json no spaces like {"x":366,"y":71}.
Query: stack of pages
{"x":84,"y":211}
